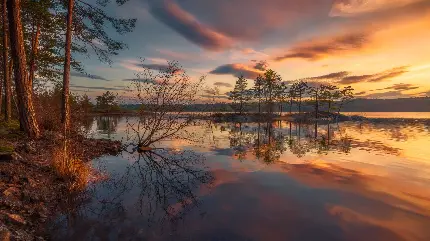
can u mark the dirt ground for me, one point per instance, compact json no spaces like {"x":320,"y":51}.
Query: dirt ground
{"x":30,"y":190}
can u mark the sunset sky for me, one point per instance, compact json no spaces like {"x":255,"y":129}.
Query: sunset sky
{"x":380,"y":47}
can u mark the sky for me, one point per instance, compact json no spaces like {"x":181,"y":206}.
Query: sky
{"x":379,"y":47}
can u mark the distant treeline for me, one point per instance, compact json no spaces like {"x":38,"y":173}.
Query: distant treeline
{"x":356,"y":105}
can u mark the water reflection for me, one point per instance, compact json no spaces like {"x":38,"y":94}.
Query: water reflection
{"x":338,"y":181}
{"x":154,"y":188}
{"x":268,"y":141}
{"x":107,"y":124}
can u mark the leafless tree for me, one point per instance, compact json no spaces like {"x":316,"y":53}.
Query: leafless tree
{"x":164,"y":96}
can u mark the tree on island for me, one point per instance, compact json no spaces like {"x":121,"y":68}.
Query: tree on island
{"x":257,"y":91}
{"x":107,"y":102}
{"x":272,"y":81}
{"x":240,"y":95}
{"x":299,"y":88}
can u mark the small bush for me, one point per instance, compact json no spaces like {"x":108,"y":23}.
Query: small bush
{"x":75,"y":172}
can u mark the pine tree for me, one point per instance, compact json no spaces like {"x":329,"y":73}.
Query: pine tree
{"x":27,"y":115}
{"x":240,"y":95}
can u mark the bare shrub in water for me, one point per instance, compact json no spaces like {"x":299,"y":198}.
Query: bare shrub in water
{"x":164,"y":96}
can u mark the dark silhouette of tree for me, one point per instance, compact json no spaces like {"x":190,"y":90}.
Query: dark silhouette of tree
{"x":257,"y":91}
{"x":282,"y":95}
{"x":165,"y":94}
{"x":346,"y":95}
{"x":240,"y":95}
{"x":271,"y":83}
{"x":299,"y":89}
{"x":107,"y":102}
{"x":329,"y":94}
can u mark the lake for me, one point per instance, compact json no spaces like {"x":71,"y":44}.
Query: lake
{"x":260,"y":181}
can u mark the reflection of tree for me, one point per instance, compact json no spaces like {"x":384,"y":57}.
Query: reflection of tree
{"x":157,"y":186}
{"x":264,"y":143}
{"x":240,"y":141}
{"x":107,"y":124}
{"x":268,"y":143}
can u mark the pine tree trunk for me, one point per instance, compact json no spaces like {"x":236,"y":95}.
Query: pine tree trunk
{"x":65,"y":108}
{"x":316,"y":106}
{"x":27,"y":115}
{"x":291,"y":105}
{"x":6,"y":74}
{"x":1,"y":96}
{"x":34,"y":51}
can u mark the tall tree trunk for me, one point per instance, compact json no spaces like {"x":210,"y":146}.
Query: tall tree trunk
{"x":316,"y":106}
{"x":291,"y":105}
{"x":34,"y":51}
{"x":1,"y":96}
{"x":259,"y":105}
{"x":27,"y":115}
{"x":300,"y":104}
{"x":6,"y":74}
{"x":65,"y":107}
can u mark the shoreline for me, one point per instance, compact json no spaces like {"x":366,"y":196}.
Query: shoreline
{"x":32,"y":193}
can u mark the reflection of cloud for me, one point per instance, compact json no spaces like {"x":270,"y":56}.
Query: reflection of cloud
{"x":187,"y":25}
{"x":237,"y":70}
{"x":318,"y":49}
{"x":355,"y":224}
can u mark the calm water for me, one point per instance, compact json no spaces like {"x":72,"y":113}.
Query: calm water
{"x":261,"y":181}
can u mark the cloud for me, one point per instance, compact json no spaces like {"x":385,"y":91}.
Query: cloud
{"x":161,"y":67}
{"x":378,"y":77}
{"x":319,"y":49}
{"x":345,"y":8}
{"x":147,"y":81}
{"x":361,"y":93}
{"x":388,"y":94}
{"x":331,"y":76}
{"x":256,"y":19}
{"x":187,"y":25}
{"x":249,"y":72}
{"x":88,"y":76}
{"x":223,"y":84}
{"x":261,"y":65}
{"x":425,"y":93}
{"x":97,"y":88}
{"x":402,"y":87}
{"x":344,"y":77}
{"x":215,"y":96}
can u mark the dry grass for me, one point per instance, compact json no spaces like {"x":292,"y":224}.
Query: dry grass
{"x":75,"y":172}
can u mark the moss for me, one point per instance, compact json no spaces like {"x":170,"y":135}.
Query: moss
{"x":10,"y":130}
{"x":5,"y":148}
{"x":11,"y":125}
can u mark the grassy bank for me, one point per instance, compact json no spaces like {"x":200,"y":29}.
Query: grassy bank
{"x":35,"y":178}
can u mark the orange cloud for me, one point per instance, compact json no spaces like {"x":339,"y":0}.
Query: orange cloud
{"x":319,"y":49}
{"x":356,"y":7}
